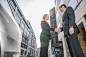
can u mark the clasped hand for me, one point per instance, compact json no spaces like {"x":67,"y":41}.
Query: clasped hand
{"x":71,"y":30}
{"x":57,"y":30}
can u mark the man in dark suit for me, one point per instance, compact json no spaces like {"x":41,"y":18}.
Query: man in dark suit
{"x":70,"y":31}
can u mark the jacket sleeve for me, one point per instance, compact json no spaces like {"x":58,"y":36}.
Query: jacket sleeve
{"x":46,"y":27}
{"x":61,"y":29}
{"x":71,"y":16}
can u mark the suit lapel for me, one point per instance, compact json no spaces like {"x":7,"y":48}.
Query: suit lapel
{"x":64,"y":15}
{"x":45,"y":22}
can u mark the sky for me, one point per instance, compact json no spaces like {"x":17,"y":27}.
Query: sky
{"x":33,"y":11}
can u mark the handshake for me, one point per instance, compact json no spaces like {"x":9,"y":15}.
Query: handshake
{"x":56,"y":29}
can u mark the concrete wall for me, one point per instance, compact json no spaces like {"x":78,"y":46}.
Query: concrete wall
{"x":80,"y":11}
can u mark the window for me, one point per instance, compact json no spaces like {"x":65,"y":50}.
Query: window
{"x":13,"y":4}
{"x":21,"y":30}
{"x":74,"y":3}
{"x":62,"y":1}
{"x":25,"y":52}
{"x":22,"y":45}
{"x":79,"y":1}
{"x":18,"y":13}
{"x":23,"y":39}
{"x":25,"y":34}
{"x":68,"y":52}
{"x":17,"y":19}
{"x":25,"y":46}
{"x":22,"y":25}
{"x":26,"y":41}
{"x":22,"y":51}
{"x":26,"y":28}
{"x":13,"y":9}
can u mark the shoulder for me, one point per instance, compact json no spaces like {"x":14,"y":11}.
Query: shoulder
{"x":43,"y":21}
{"x":69,"y":8}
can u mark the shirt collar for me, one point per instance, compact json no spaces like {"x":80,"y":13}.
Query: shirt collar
{"x":45,"y":20}
{"x":64,"y":10}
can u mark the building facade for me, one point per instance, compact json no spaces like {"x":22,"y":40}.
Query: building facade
{"x":32,"y":42}
{"x":80,"y":15}
{"x":28,"y":44}
{"x":38,"y":52}
{"x":56,"y":46}
{"x":10,"y":34}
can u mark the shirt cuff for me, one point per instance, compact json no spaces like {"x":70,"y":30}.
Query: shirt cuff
{"x":71,"y":26}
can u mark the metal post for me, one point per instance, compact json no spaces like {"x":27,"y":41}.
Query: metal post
{"x":64,"y":47}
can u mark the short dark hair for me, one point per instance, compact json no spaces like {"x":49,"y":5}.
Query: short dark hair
{"x":63,"y":5}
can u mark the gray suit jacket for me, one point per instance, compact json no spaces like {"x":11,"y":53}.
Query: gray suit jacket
{"x":46,"y":28}
{"x":69,"y":21}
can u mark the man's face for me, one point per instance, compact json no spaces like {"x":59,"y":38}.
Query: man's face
{"x":61,"y":9}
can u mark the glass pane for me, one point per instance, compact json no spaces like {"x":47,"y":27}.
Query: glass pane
{"x":26,"y":42}
{"x":62,"y":1}
{"x":25,"y":34}
{"x":25,"y":29}
{"x":21,"y":30}
{"x":68,"y":52}
{"x":17,"y":19}
{"x":22,"y":45}
{"x":18,"y":14}
{"x":79,"y":1}
{"x":25,"y":52}
{"x":13,"y":5}
{"x":22,"y":25}
{"x":73,"y":3}
{"x":22,"y":51}
{"x":23,"y":39}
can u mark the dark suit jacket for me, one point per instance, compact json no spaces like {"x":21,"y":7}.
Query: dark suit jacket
{"x":69,"y":21}
{"x":46,"y":28}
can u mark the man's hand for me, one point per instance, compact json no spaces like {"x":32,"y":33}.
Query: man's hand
{"x":71,"y":30}
{"x":57,"y":30}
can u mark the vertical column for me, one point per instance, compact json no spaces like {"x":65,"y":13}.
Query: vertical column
{"x":64,"y":47}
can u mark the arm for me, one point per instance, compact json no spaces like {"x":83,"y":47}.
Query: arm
{"x":46,"y":27}
{"x":61,"y":29}
{"x":52,"y":29}
{"x":71,"y":17}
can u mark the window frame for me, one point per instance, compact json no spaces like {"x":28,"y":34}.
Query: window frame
{"x":76,"y":5}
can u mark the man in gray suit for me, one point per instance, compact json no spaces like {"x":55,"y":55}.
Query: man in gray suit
{"x":70,"y":31}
